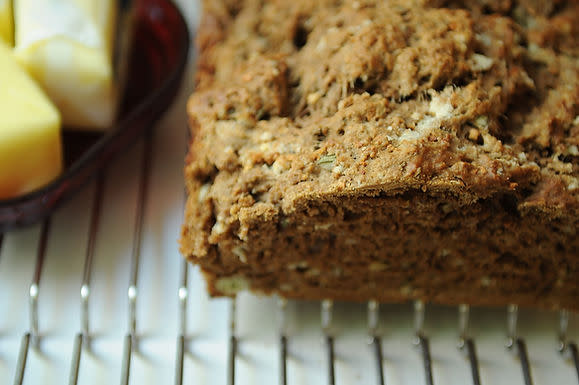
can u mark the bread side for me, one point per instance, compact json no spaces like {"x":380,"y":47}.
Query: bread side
{"x":370,"y":149}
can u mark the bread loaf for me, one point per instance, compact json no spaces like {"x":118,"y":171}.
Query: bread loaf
{"x":388,"y":150}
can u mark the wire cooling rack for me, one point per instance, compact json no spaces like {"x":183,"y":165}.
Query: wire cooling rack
{"x":134,"y":195}
{"x":97,"y":294}
{"x":143,"y":189}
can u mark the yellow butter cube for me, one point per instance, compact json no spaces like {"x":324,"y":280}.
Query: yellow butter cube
{"x":30,"y":144}
{"x":6,"y":25}
{"x":67,"y":46}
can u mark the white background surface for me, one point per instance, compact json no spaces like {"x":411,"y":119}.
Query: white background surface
{"x":157,"y":304}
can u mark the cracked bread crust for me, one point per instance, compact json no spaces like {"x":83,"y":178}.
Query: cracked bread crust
{"x":387,"y":150}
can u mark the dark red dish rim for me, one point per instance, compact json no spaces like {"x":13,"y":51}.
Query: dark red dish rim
{"x":156,"y":67}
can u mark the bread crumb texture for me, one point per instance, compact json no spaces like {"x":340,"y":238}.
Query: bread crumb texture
{"x":329,"y":136}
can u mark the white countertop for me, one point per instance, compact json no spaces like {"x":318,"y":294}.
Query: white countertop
{"x":207,"y":322}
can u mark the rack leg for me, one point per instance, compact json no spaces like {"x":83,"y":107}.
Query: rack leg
{"x":283,"y":361}
{"x":377,"y":344}
{"x":524,"y":358}
{"x":326,"y":318}
{"x":232,"y":346}
{"x":575,"y":357}
{"x":75,"y":364}
{"x":22,"y":359}
{"x":330,"y":355}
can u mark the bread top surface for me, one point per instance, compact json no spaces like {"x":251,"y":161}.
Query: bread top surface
{"x":297,"y":100}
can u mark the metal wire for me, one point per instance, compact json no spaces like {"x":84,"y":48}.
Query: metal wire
{"x":575,"y":357}
{"x":32,"y":337}
{"x":232,"y":344}
{"x":424,"y":345}
{"x":90,"y":248}
{"x":473,"y":360}
{"x":563,"y":328}
{"x":463,"y":318}
{"x":180,"y":360}
{"x":132,"y":292}
{"x":375,"y":340}
{"x":466,"y":344}
{"x":282,"y":342}
{"x":422,"y":341}
{"x":565,"y":346}
{"x":84,"y":334}
{"x":418,"y":318}
{"x":183,"y":295}
{"x":524,"y":357}
{"x":326,"y":318}
{"x":518,"y":345}
{"x":75,"y":363}
{"x":283,"y":361}
{"x":512,"y":315}
{"x":35,"y":285}
{"x":126,"y":366}
{"x":22,"y":358}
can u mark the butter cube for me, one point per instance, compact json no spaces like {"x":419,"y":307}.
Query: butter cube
{"x":67,"y":46}
{"x":30,"y":144}
{"x":6,"y":25}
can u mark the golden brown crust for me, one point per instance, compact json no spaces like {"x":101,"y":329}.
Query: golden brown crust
{"x":457,"y":104}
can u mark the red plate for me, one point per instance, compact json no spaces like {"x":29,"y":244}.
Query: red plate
{"x":157,"y":63}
